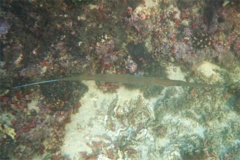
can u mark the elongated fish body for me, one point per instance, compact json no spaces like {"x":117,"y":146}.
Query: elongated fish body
{"x":126,"y":79}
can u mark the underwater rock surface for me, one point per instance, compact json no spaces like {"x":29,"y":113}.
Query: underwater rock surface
{"x":148,"y":79}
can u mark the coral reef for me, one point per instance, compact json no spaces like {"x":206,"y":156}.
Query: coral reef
{"x":191,"y":48}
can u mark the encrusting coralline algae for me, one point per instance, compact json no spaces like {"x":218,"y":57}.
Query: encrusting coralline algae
{"x":130,"y":79}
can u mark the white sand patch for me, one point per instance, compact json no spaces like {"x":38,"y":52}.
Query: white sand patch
{"x":209,"y":70}
{"x":151,"y":3}
{"x":33,"y":105}
{"x":90,"y":121}
{"x":175,"y":73}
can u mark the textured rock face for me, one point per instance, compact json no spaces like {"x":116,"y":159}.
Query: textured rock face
{"x":174,"y":125}
{"x":157,"y":67}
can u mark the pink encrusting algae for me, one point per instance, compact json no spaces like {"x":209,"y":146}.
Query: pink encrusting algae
{"x":145,"y":79}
